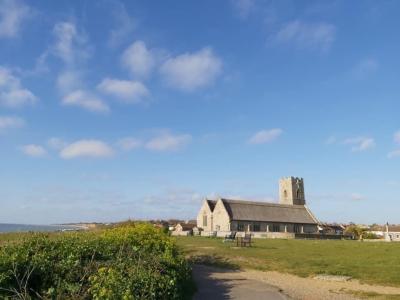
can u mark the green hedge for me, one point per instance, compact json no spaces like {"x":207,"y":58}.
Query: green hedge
{"x":132,"y":262}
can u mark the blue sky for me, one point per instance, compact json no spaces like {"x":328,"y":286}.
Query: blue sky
{"x":111,"y":109}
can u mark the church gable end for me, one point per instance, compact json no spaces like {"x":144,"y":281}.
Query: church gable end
{"x":221,"y":217}
{"x":204,"y":217}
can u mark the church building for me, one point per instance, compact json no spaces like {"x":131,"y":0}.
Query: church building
{"x":290,"y":215}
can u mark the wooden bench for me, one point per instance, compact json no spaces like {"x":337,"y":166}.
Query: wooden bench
{"x":230,"y":237}
{"x":244,"y":241}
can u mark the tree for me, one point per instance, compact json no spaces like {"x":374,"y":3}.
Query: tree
{"x":355,"y":231}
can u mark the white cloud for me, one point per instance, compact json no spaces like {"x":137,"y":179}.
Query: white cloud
{"x":34,"y":150}
{"x":56,"y":143}
{"x":87,"y":148}
{"x":175,"y":197}
{"x":168,"y":142}
{"x":85,"y":100}
{"x":12,"y":14}
{"x":9,"y":122}
{"x":244,"y":7}
{"x":129,"y":143}
{"x":12,"y":93}
{"x":365,"y":68}
{"x":17,"y":97}
{"x":331,"y":140}
{"x":125,"y":25}
{"x":138,"y":59}
{"x":72,"y":48}
{"x":191,"y":71}
{"x":169,"y":202}
{"x":357,"y":196}
{"x":69,"y":80}
{"x":70,"y":45}
{"x":265,"y":136}
{"x":396,"y":137}
{"x":129,"y":91}
{"x":360,"y":143}
{"x":394,"y":154}
{"x":307,"y":35}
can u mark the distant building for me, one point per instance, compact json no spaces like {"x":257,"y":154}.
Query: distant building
{"x":336,"y":229}
{"x":184,"y":227}
{"x":387,"y":232}
{"x":290,"y":215}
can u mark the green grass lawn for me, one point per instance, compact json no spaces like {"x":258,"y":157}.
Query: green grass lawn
{"x":374,"y":263}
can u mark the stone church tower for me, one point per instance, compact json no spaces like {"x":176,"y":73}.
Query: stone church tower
{"x":291,"y":191}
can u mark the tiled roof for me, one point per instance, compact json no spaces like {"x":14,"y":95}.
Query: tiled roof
{"x":392,"y":228}
{"x":240,"y":210}
{"x":186,"y":227}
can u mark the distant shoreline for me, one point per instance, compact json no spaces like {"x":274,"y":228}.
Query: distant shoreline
{"x":84,"y":225}
{"x":8,"y":227}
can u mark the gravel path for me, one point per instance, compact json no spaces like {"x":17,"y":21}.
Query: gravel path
{"x":315,"y":289}
{"x":214,"y":283}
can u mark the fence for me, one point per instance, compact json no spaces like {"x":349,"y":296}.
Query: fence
{"x":321,"y":236}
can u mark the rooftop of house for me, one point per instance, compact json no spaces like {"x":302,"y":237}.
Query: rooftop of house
{"x":392,"y":228}
{"x":333,"y":226}
{"x":240,"y":210}
{"x":187,"y":226}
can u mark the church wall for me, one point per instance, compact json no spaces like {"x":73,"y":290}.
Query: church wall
{"x":271,"y":227}
{"x":205,"y":211}
{"x":221,"y":218}
{"x":291,"y":191}
{"x":310,"y":228}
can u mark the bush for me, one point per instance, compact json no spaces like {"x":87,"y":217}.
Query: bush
{"x":130,"y":262}
{"x":370,"y":236}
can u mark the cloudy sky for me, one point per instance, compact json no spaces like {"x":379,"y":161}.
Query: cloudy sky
{"x":111,"y":109}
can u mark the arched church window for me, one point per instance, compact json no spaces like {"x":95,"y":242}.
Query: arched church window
{"x":285,"y":193}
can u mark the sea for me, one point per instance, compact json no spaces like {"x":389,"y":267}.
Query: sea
{"x":37,"y":228}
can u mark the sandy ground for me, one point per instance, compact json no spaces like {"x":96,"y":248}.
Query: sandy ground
{"x":215,"y":283}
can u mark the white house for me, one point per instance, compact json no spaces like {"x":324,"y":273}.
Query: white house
{"x":387,"y":232}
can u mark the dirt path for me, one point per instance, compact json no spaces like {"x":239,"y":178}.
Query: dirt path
{"x":215,"y":283}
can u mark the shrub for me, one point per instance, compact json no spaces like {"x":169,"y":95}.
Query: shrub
{"x":370,"y":235}
{"x":129,"y":262}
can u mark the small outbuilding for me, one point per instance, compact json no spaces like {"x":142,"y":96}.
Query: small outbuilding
{"x":184,"y":229}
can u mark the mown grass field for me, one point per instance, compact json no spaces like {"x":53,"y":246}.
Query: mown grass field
{"x":374,"y":263}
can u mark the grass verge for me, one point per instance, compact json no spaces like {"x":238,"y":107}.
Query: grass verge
{"x":373,"y":263}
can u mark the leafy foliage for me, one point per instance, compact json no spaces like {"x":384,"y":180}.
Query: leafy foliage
{"x":355,"y":231}
{"x":370,"y":236}
{"x":129,"y":262}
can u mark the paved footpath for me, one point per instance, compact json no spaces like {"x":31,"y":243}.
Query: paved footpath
{"x":214,"y":283}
